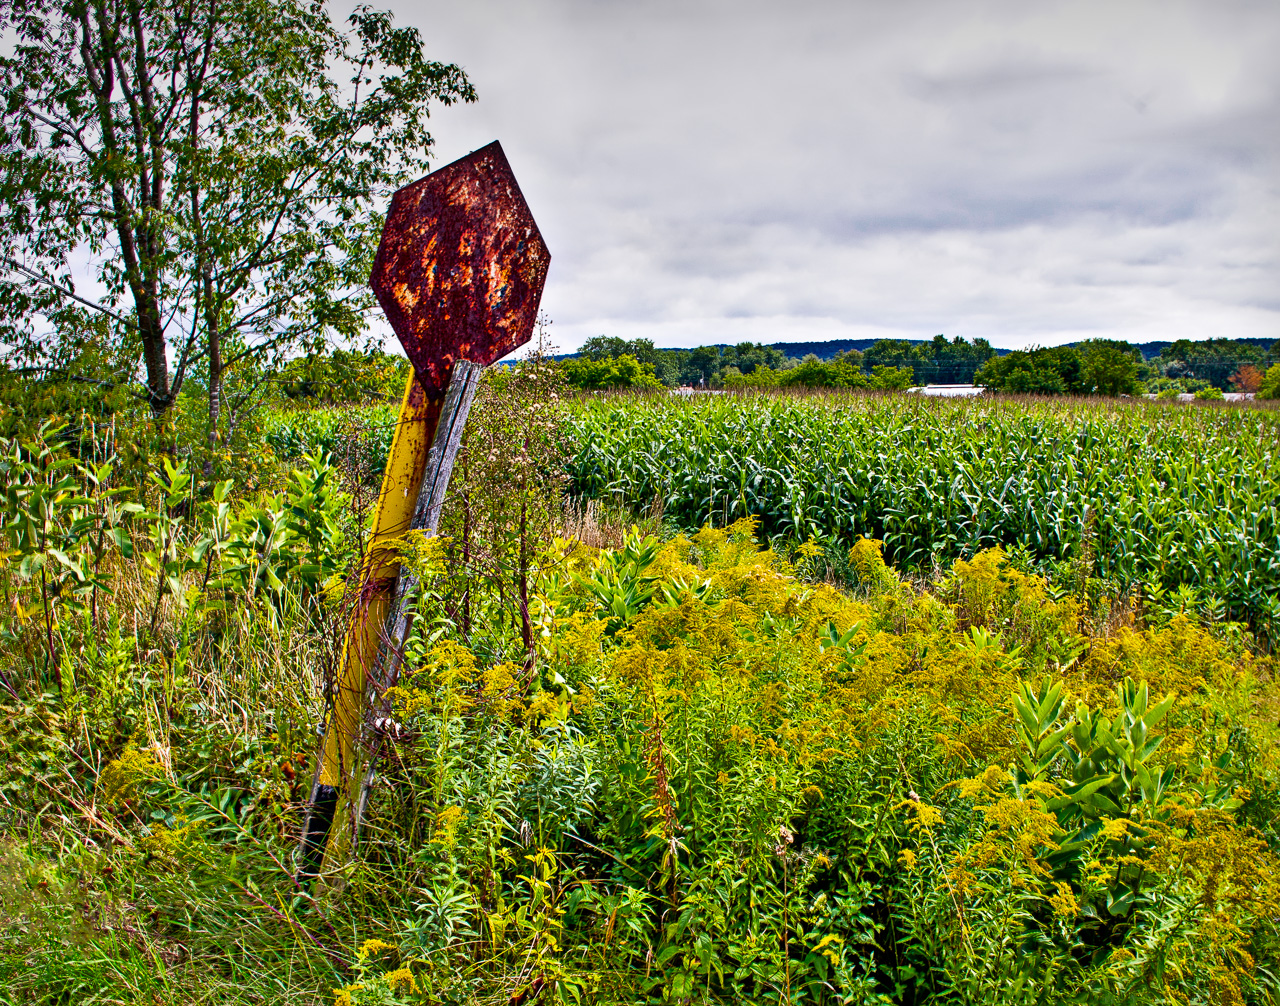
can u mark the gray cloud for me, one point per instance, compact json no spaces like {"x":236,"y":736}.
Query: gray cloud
{"x":1029,"y":173}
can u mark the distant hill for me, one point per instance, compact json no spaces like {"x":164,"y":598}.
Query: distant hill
{"x":1150,"y":350}
{"x":827,"y":350}
{"x":797,"y":350}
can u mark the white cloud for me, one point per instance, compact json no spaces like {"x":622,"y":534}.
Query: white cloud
{"x":1029,"y":173}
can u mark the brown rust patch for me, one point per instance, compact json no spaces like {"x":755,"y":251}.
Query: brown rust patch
{"x":461,"y":266}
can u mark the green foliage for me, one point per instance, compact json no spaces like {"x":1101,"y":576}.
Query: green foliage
{"x":1098,"y":367}
{"x":619,"y":584}
{"x":506,"y":485}
{"x":1270,"y":387}
{"x":359,"y":437}
{"x":751,"y":365}
{"x":731,"y":378}
{"x":706,"y":365}
{"x":293,"y":537}
{"x":844,"y":371}
{"x":343,"y":377}
{"x":727,"y":786}
{"x":60,"y":519}
{"x":747,"y":357}
{"x":83,"y":377}
{"x":1214,"y":361}
{"x":1110,"y":368}
{"x":1176,"y":385}
{"x":814,"y":373}
{"x":68,"y":529}
{"x":885,"y":378}
{"x":602,"y":347}
{"x":936,"y":362}
{"x":1033,"y":372}
{"x":611,"y":373}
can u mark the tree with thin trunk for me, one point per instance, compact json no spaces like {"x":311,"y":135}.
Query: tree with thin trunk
{"x":204,"y":174}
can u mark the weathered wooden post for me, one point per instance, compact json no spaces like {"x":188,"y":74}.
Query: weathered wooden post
{"x":459,"y":273}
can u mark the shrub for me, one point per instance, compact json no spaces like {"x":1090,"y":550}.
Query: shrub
{"x":617,"y":372}
{"x":1033,"y":372}
{"x":1110,"y":368}
{"x":843,"y":371}
{"x":1270,"y":385}
{"x":761,"y":377}
{"x":891,"y":378}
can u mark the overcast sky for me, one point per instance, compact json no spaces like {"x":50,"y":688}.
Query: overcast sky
{"x":1027,"y":172}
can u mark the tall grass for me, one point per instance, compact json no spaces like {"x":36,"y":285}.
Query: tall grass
{"x":150,"y":808}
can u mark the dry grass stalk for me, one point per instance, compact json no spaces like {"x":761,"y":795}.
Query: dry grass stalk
{"x":586,"y":521}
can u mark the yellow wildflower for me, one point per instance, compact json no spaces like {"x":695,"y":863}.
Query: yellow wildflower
{"x":401,"y":980}
{"x":547,"y":705}
{"x":502,"y":688}
{"x":373,"y":948}
{"x":829,"y":951}
{"x":121,"y":777}
{"x":1064,"y":902}
{"x":447,"y":822}
{"x":342,"y":996}
{"x":924,"y":816}
{"x":1044,"y":790}
{"x":1115,"y":828}
{"x":810,"y":548}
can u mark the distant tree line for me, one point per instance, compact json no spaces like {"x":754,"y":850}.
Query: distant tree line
{"x":606,"y":361}
{"x":1096,"y":366}
{"x":1108,"y":367}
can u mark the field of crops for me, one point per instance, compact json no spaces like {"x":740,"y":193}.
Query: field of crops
{"x":1182,"y":497}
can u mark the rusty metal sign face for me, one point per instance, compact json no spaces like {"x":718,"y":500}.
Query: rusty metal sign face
{"x":460,"y":267}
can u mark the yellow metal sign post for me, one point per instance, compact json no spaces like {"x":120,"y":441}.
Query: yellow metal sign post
{"x":459,"y":273}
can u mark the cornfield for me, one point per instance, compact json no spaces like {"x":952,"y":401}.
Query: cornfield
{"x":1169,"y":497}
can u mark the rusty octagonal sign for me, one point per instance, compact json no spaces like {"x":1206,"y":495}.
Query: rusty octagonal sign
{"x":460,"y":267}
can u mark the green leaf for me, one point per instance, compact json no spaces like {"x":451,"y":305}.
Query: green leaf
{"x":1156,"y":713}
{"x":123,"y":541}
{"x":1028,"y":717}
{"x":1079,"y":793}
{"x":1104,"y":803}
{"x":73,"y":565}
{"x":1050,"y":743}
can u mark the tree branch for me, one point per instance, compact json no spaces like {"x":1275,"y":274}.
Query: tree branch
{"x":34,"y":276}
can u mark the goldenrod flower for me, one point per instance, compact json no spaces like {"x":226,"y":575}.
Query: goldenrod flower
{"x":401,"y":980}
{"x":373,"y":948}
